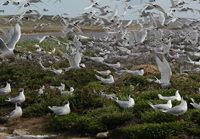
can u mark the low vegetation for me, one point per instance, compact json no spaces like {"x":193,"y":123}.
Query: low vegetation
{"x":91,"y":113}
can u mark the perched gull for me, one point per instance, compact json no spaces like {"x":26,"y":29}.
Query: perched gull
{"x":6,"y":89}
{"x":16,"y":113}
{"x":61,"y":110}
{"x":176,"y":97}
{"x":19,"y":99}
{"x":157,"y":107}
{"x":194,"y":104}
{"x":178,"y":110}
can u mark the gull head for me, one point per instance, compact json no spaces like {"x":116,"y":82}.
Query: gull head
{"x":16,"y":51}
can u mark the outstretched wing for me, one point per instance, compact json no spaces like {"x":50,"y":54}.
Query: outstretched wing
{"x":15,"y":38}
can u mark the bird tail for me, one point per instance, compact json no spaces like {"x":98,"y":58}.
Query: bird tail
{"x":49,"y":107}
{"x":152,"y":106}
{"x":98,"y":77}
{"x":160,"y":96}
{"x":163,"y":110}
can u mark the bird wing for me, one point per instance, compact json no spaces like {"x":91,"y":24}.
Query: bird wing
{"x":161,"y":18}
{"x":3,"y":47}
{"x":15,"y":38}
{"x":115,"y":11}
{"x":166,"y":73}
{"x":70,"y":59}
{"x":176,"y":110}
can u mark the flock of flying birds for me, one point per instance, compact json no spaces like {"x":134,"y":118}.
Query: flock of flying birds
{"x":119,"y":43}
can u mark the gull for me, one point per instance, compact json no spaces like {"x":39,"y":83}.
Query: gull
{"x":6,"y":89}
{"x":19,"y":99}
{"x":93,"y":4}
{"x":61,"y":110}
{"x":9,"y":51}
{"x":178,"y":110}
{"x":71,"y":90}
{"x":104,"y":73}
{"x":5,"y":3}
{"x":157,"y":107}
{"x":176,"y":97}
{"x":194,"y":104}
{"x":139,"y":72}
{"x":74,"y":62}
{"x":126,"y":104}
{"x":109,"y":80}
{"x":16,"y":113}
{"x":166,"y":72}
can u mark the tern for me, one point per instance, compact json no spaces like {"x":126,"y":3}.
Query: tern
{"x":74,"y":62}
{"x":139,"y":72}
{"x":126,"y":104}
{"x":110,"y":80}
{"x":61,"y":110}
{"x":166,"y":72}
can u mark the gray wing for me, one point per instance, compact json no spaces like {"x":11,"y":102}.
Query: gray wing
{"x":166,"y":72}
{"x":15,"y":38}
{"x":70,"y":59}
{"x":3,"y":47}
{"x":175,"y":110}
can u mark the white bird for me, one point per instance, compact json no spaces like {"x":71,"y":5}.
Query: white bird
{"x":104,"y":73}
{"x":194,"y":104}
{"x":139,"y":72}
{"x":108,"y":96}
{"x":19,"y":99}
{"x":9,"y":51}
{"x":6,"y":89}
{"x":74,"y":62}
{"x":93,"y":4}
{"x":71,"y":90}
{"x":117,"y":65}
{"x":126,"y":104}
{"x":157,"y":107}
{"x":166,"y":72}
{"x":61,"y":110}
{"x":176,"y":97}
{"x":109,"y":80}
{"x":40,"y":91}
{"x":114,"y":13}
{"x":178,"y":110}
{"x":15,"y":114}
{"x":61,"y":87}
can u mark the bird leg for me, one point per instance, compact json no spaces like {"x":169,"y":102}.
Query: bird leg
{"x":179,"y":119}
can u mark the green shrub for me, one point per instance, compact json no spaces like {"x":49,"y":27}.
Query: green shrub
{"x":157,"y":131}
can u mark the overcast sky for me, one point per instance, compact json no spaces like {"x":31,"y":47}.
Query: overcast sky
{"x":76,"y":7}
